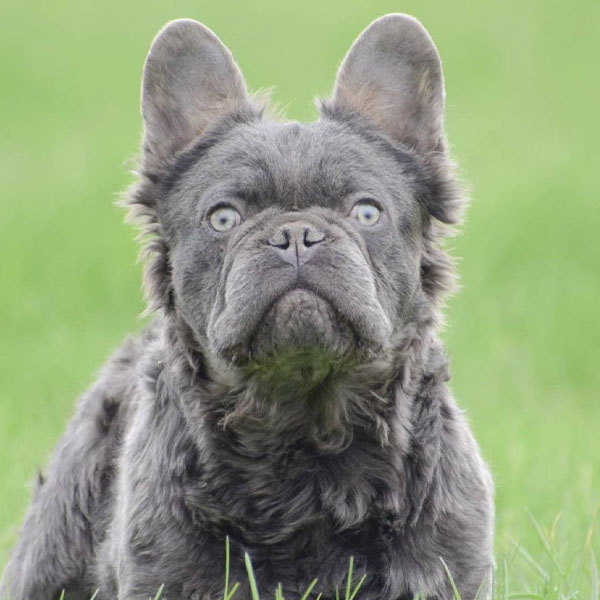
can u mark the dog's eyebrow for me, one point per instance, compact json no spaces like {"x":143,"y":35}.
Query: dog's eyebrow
{"x":186,"y":160}
{"x":191,"y":156}
{"x":401,"y":155}
{"x":358,"y":125}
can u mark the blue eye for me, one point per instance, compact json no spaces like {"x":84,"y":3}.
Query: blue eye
{"x":366,"y":213}
{"x":224,"y":218}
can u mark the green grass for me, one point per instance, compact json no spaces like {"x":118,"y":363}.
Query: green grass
{"x":552,"y":580}
{"x":523,"y":121}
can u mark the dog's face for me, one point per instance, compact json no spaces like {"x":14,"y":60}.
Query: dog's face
{"x":288,"y":238}
{"x":292,"y":240}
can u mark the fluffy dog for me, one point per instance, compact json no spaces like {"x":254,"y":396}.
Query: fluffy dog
{"x":291,"y":392}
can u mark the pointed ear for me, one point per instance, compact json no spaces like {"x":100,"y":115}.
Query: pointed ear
{"x":190,"y":80}
{"x":392,"y":74}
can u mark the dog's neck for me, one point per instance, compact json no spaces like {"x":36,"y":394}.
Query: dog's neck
{"x":351,"y":395}
{"x":367,"y":435}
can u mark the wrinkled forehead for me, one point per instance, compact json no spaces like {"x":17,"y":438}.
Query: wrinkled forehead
{"x":292,"y":165}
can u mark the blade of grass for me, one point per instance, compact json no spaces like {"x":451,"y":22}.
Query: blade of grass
{"x":545,"y":542}
{"x":455,"y":593}
{"x":530,"y":561}
{"x":594,"y":574}
{"x":160,"y":591}
{"x":480,"y":590}
{"x":251,"y":578}
{"x":554,"y":525}
{"x":358,"y":586}
{"x":309,"y":589}
{"x":349,"y":577}
{"x":513,"y":555}
{"x":226,"y":590}
{"x":570,"y":565}
{"x":589,"y":537}
{"x":234,"y":589}
{"x":539,"y":532}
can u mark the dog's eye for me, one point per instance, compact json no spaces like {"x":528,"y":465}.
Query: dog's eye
{"x":366,"y":213}
{"x":224,"y":218}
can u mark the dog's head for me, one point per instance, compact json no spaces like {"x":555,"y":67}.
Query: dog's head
{"x":292,"y":245}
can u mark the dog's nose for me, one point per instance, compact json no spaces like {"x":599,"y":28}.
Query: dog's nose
{"x":295,"y":243}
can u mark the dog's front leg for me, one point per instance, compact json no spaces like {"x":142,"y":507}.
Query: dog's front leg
{"x":53,"y":544}
{"x":63,"y":525}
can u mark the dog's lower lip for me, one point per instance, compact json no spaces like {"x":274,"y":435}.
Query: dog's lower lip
{"x":291,"y":290}
{"x":300,"y":288}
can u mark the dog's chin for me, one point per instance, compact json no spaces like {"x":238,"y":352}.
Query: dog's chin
{"x":302,"y":323}
{"x":300,"y":339}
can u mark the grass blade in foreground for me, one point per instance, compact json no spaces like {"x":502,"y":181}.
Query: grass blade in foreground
{"x":455,"y":594}
{"x":251,"y":578}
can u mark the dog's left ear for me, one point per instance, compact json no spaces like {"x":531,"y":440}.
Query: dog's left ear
{"x":392,"y":74}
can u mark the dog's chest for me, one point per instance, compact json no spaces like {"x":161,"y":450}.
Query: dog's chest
{"x":300,"y":515}
{"x":272,"y":497}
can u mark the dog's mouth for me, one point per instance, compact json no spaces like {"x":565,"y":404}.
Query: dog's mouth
{"x":302,"y":321}
{"x":300,"y":343}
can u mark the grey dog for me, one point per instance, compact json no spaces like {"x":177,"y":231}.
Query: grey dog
{"x":291,"y":393}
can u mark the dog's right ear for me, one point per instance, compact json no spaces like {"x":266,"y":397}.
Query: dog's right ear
{"x":190,"y":80}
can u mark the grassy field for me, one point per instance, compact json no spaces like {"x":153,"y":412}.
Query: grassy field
{"x":523,"y":90}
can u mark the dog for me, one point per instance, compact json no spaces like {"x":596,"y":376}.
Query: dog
{"x":291,"y":394}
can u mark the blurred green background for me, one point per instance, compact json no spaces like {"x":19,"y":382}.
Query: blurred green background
{"x":523,"y":83}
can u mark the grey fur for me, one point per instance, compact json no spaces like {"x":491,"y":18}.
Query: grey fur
{"x":298,"y":405}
